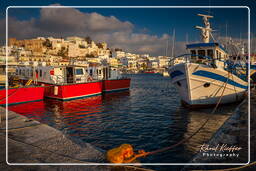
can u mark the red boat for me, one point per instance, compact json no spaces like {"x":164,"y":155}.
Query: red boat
{"x":73,"y":91}
{"x":21,"y":95}
{"x":73,"y":82}
{"x":116,"y":85}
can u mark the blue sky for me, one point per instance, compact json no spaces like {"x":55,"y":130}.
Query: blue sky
{"x":154,"y":22}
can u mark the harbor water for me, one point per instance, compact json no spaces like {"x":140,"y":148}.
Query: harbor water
{"x":148,"y":116}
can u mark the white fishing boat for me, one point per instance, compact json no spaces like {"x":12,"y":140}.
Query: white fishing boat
{"x":206,"y":76}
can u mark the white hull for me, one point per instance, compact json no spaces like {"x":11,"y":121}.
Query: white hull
{"x":199,"y":84}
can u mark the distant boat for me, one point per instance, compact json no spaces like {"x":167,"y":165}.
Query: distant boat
{"x":206,"y":75}
{"x":166,"y":74}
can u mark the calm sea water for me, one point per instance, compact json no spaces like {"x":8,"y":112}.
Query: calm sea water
{"x":149,"y":117}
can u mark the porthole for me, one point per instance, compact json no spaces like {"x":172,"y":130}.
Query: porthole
{"x":207,"y":85}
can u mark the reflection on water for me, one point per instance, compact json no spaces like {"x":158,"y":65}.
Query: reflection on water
{"x":148,"y":116}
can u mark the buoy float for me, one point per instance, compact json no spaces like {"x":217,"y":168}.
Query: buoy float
{"x":123,"y":154}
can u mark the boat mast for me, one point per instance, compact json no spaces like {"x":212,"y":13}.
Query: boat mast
{"x":173,"y":41}
{"x":205,"y":31}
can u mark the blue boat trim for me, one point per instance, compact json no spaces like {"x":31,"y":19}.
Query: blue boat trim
{"x":74,"y":98}
{"x":219,"y":78}
{"x":116,"y":90}
{"x":10,"y":104}
{"x":176,"y":73}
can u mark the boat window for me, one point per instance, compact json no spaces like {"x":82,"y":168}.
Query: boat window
{"x":201,"y":54}
{"x":210,"y":53}
{"x":193,"y":53}
{"x":90,"y":72}
{"x":40,"y":73}
{"x":79,"y":71}
{"x":218,"y":54}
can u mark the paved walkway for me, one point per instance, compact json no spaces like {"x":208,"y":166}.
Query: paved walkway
{"x":233,"y":132}
{"x":32,"y":142}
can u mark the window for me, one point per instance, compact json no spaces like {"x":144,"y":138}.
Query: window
{"x":40,"y":73}
{"x":217,"y":54}
{"x":201,"y":54}
{"x":210,"y":53}
{"x":79,"y":71}
{"x":193,"y":54}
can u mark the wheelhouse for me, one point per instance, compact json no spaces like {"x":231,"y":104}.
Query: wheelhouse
{"x":214,"y":51}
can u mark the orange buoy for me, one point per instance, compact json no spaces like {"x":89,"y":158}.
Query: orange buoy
{"x":123,"y":154}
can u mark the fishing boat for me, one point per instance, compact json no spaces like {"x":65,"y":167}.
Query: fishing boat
{"x":113,"y":81}
{"x":206,"y":77}
{"x":18,"y":93}
{"x":73,"y":81}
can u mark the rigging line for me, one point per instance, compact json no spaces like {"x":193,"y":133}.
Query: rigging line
{"x":198,"y":130}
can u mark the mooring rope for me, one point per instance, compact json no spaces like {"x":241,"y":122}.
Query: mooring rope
{"x":198,"y":130}
{"x":144,"y":154}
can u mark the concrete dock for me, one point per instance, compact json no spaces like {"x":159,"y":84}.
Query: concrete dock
{"x":234,"y":132}
{"x":31,"y":142}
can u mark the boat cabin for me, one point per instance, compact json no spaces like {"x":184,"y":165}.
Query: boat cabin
{"x":201,"y":51}
{"x":66,"y":74}
{"x":213,"y":50}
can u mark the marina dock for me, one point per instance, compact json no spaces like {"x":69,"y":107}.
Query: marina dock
{"x":233,"y":132}
{"x":31,"y":142}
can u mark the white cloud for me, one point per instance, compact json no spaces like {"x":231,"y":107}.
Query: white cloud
{"x":63,"y":22}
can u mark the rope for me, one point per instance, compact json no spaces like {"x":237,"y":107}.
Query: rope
{"x":186,"y":139}
{"x":9,"y":95}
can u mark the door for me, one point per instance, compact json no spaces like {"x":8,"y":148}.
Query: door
{"x":70,"y":75}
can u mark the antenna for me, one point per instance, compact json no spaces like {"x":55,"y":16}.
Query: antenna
{"x":205,"y":31}
{"x":173,"y":40}
{"x":167,"y":44}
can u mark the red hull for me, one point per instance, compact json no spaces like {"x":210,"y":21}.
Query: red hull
{"x":116,"y":85}
{"x":21,"y":95}
{"x":73,"y":91}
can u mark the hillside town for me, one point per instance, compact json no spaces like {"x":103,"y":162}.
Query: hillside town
{"x":79,"y":51}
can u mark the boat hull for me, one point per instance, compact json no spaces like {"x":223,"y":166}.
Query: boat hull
{"x":73,"y":91}
{"x":21,"y":95}
{"x":201,"y":85}
{"x":116,"y":85}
